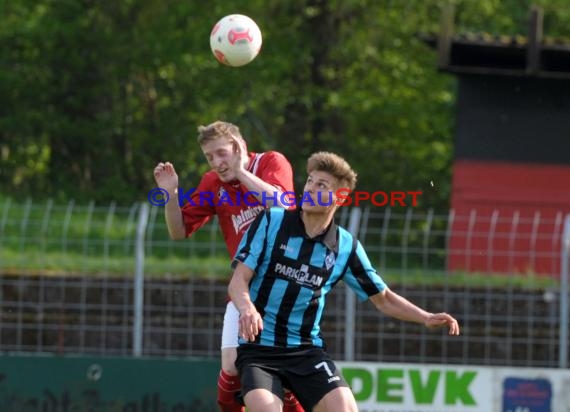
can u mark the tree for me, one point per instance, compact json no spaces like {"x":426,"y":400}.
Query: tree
{"x":96,"y":93}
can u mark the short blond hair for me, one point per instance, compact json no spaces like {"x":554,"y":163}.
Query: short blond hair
{"x":217,"y":130}
{"x":335,"y":165}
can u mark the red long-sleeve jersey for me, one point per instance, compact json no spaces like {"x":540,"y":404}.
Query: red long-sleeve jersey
{"x":230,"y":202}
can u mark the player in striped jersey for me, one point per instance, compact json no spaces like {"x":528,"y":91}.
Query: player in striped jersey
{"x":239,"y":186}
{"x":287,"y":263}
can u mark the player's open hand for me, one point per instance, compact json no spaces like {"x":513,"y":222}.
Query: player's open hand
{"x":240,"y":158}
{"x":165,"y":176}
{"x":250,"y":324}
{"x":441,"y":320}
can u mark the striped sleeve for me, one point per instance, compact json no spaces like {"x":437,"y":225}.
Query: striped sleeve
{"x":361,"y":276}
{"x":252,"y":246}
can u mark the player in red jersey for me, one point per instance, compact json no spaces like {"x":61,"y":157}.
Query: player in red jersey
{"x":237,"y":189}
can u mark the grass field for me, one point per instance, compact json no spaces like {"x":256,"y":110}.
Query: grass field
{"x":48,"y":238}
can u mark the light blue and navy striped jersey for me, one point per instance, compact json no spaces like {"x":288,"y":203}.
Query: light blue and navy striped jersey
{"x":294,"y":273}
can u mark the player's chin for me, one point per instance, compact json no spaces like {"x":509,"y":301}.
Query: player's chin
{"x":313,"y":208}
{"x":226,"y":177}
{"x":309,"y":206}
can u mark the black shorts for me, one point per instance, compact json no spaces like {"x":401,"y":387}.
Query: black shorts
{"x":309,"y":373}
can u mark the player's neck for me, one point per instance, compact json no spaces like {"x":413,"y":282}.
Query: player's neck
{"x":316,"y":223}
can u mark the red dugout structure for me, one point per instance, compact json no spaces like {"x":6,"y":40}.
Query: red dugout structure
{"x":511,"y":171}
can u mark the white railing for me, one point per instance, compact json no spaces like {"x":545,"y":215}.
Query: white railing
{"x":107,"y":280}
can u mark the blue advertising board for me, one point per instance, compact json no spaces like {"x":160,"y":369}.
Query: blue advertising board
{"x":527,"y":395}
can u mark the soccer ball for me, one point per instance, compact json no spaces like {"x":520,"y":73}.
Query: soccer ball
{"x":235,"y":40}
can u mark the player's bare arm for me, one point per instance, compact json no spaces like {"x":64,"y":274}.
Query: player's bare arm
{"x":166,"y":178}
{"x":253,"y":182}
{"x":399,"y":307}
{"x":250,"y":322}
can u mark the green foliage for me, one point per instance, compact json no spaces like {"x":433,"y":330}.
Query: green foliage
{"x":50,"y":238}
{"x":88,"y":238}
{"x":94,"y":94}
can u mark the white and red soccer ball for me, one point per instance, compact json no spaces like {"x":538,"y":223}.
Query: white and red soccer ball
{"x":235,"y":40}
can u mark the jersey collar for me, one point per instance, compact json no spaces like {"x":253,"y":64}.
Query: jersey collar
{"x":250,"y":162}
{"x":328,"y":238}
